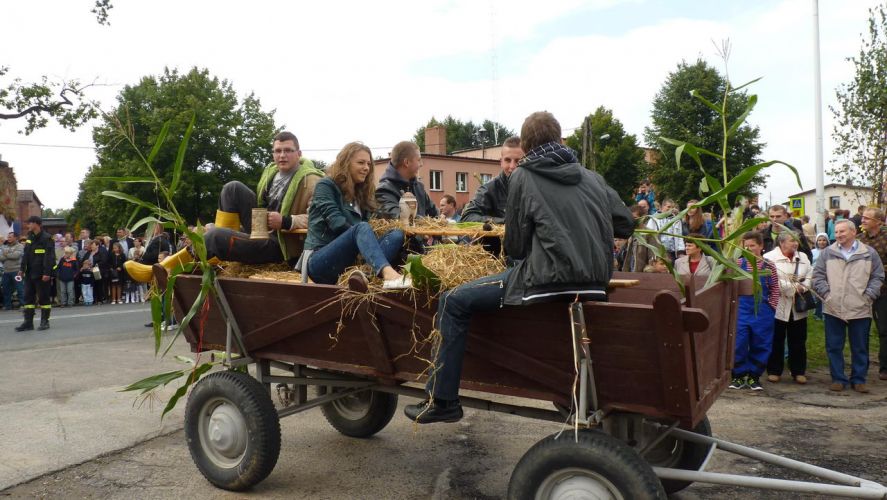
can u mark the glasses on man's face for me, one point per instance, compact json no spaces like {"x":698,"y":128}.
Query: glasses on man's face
{"x":286,"y":151}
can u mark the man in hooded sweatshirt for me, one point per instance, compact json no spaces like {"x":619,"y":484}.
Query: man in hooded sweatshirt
{"x":560,"y":221}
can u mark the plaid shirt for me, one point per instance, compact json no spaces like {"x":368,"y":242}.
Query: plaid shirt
{"x":879,"y":243}
{"x":772,"y":281}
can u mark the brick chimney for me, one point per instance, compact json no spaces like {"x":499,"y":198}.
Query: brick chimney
{"x":436,"y":140}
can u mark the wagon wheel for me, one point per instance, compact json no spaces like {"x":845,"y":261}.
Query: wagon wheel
{"x":360,"y":414}
{"x":676,"y":453}
{"x":232,"y":429}
{"x":596,"y":466}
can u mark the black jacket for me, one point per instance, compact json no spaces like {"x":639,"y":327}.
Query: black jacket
{"x":559,"y":223}
{"x":155,"y":246}
{"x":769,"y":242}
{"x":129,"y":244}
{"x":489,"y":202}
{"x":39,"y":255}
{"x":392,"y":186}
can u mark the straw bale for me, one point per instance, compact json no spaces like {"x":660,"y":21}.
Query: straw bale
{"x":458,"y":264}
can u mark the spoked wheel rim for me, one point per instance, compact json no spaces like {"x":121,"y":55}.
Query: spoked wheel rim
{"x":577,"y":484}
{"x":354,"y":406}
{"x":223,"y":432}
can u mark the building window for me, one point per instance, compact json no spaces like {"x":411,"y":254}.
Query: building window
{"x":461,"y":182}
{"x":435,"y":180}
{"x":834,"y":202}
{"x":485,"y":178}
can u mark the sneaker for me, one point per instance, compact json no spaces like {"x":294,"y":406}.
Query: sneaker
{"x":398,"y":283}
{"x":738,"y":383}
{"x":755,"y":384}
{"x":861,"y":388}
{"x":434,"y":410}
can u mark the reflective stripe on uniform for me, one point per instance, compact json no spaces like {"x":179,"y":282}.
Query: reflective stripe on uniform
{"x":46,"y":307}
{"x":29,"y":306}
{"x":40,"y":250}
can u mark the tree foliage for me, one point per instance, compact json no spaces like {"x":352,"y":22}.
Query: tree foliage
{"x":39,"y":102}
{"x":61,"y":213}
{"x":678,"y":115}
{"x":231,"y":141}
{"x":464,"y":135}
{"x":617,"y":157}
{"x":861,"y":115}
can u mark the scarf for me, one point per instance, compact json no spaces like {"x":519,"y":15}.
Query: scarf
{"x":552,"y":150}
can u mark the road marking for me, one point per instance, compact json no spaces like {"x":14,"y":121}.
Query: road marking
{"x":85,"y":315}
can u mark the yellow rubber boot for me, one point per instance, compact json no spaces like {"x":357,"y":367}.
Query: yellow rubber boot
{"x":228,"y":220}
{"x":177,"y":259}
{"x":137,"y":271}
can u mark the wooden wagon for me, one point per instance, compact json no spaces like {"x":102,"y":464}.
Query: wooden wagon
{"x":636,"y":375}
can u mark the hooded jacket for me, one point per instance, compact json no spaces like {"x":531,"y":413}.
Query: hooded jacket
{"x":391,"y":186}
{"x":815,"y":250}
{"x":848,"y":286}
{"x":560,"y":221}
{"x":489,"y":202}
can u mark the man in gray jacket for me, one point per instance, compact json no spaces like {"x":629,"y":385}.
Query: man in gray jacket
{"x":848,"y":277}
{"x":560,"y":220}
{"x":11,"y":257}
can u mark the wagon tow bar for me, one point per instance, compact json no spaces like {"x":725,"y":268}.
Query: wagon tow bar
{"x":587,"y":387}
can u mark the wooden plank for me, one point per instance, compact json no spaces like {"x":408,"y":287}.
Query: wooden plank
{"x":377,"y":347}
{"x":673,"y":353}
{"x":519,"y":362}
{"x":293,"y":324}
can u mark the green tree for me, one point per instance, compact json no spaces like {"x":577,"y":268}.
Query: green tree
{"x":62,"y":213}
{"x":861,"y":116}
{"x":231,"y":140}
{"x":678,"y":115}
{"x":617,"y":156}
{"x":464,"y":135}
{"x":37,"y":103}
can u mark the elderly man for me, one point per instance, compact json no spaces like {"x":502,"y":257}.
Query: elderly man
{"x":560,"y":222}
{"x":875,"y":236}
{"x":848,"y":276}
{"x":11,"y":257}
{"x":489,"y":200}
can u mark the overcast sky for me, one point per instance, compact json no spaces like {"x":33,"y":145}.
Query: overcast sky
{"x":339,"y":71}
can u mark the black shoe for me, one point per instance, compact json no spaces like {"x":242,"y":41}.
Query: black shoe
{"x":26,"y":326}
{"x":431,"y":411}
{"x":44,"y":319}
{"x":149,"y":325}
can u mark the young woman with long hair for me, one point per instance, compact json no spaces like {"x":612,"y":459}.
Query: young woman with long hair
{"x":337,"y":228}
{"x":116,"y":261}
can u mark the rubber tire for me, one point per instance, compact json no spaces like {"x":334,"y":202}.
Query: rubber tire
{"x":383,"y":405}
{"x":692,"y":457}
{"x":594,"y":451}
{"x":263,"y":429}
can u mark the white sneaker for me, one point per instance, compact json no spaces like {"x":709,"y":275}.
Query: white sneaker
{"x":398,"y":283}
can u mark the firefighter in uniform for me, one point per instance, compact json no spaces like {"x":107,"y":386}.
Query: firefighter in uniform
{"x":37,"y":264}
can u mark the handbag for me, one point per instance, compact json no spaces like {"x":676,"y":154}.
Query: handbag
{"x":803,"y":301}
{"x":96,"y":273}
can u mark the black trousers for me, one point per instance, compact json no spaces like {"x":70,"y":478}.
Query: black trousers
{"x":37,"y":294}
{"x":795,"y":330}
{"x":236,"y":246}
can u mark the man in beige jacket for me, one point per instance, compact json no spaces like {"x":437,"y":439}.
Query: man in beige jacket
{"x":848,"y":276}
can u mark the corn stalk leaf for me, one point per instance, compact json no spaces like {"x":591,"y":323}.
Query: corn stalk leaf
{"x":156,"y":318}
{"x":421,"y":275}
{"x":746,"y":84}
{"x":180,"y":156}
{"x":695,"y":93}
{"x":158,"y":143}
{"x":750,"y":105}
{"x":194,"y":376}
{"x":154,"y":381}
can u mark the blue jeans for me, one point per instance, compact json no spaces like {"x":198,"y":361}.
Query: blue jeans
{"x":328,"y":262}
{"x":836,"y":331}
{"x":9,"y":285}
{"x":454,"y":311}
{"x":86,"y":291}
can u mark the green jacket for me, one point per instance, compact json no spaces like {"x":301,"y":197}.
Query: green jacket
{"x":329,"y":215}
{"x":295,"y":201}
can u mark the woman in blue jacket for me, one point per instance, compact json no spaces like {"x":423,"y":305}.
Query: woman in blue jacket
{"x":337,"y":228}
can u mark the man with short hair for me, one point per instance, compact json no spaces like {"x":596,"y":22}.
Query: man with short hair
{"x":857,"y":219}
{"x":83,"y":243}
{"x":38,"y":260}
{"x":285,"y":189}
{"x":646,"y":194}
{"x":560,"y":221}
{"x":779,"y":216}
{"x":490,"y":199}
{"x":875,"y":236}
{"x":11,"y":257}
{"x":124,"y":239}
{"x":448,"y":208}
{"x":401,"y":176}
{"x":848,"y":275}
{"x":674,"y":245}
{"x":645,"y":207}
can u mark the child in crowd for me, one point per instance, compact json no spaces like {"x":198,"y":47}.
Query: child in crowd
{"x":86,"y":282}
{"x":818,"y":246}
{"x":754,"y":325}
{"x":657,"y":266}
{"x":67,"y":272}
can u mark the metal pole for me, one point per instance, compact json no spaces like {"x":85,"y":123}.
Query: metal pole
{"x":817,"y":93}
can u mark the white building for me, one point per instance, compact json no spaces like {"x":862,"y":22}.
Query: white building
{"x":837,"y":197}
